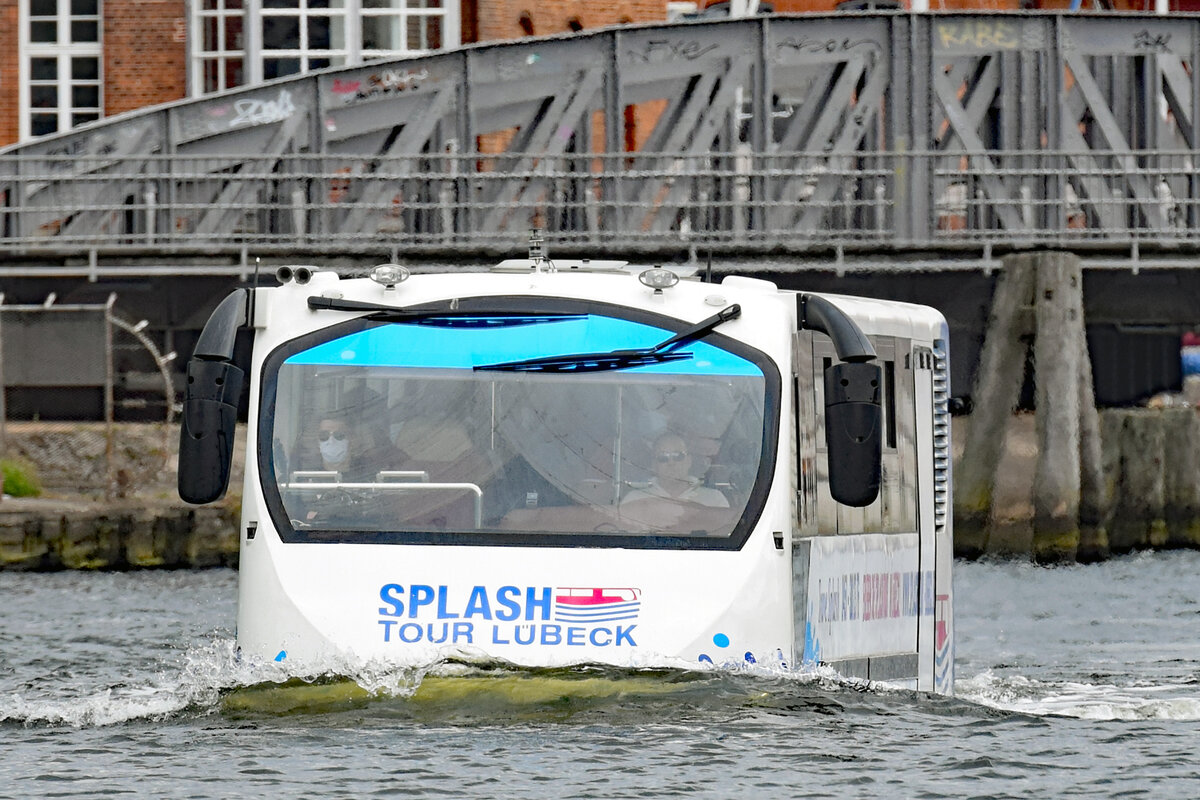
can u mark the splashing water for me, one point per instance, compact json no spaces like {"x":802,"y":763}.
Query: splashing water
{"x":1081,"y":680}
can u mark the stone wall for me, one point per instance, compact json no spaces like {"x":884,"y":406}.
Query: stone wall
{"x":114,"y":537}
{"x":139,"y":523}
{"x":1150,"y":463}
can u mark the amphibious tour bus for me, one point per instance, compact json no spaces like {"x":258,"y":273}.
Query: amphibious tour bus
{"x":578,"y":462}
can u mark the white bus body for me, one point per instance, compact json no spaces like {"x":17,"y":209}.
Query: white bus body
{"x":539,"y":475}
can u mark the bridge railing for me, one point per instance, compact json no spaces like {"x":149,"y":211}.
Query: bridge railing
{"x":794,"y":201}
{"x":883,"y":132}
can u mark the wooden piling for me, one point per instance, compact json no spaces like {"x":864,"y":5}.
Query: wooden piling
{"x":1072,"y":492}
{"x":1095,"y":494}
{"x":1181,"y":477}
{"x":996,"y":391}
{"x":1137,"y":519}
{"x":1059,"y":314}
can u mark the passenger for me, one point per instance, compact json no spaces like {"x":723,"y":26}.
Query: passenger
{"x":333,"y":444}
{"x":330,"y":445}
{"x":327,"y":444}
{"x":673,"y":479}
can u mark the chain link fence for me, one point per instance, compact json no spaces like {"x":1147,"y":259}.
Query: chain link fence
{"x":88,"y":402}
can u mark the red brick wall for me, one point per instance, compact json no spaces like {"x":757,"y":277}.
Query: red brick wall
{"x":145,"y":53}
{"x":10,"y":97}
{"x":500,"y":19}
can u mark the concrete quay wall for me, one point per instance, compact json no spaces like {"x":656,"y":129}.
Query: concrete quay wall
{"x":1150,"y":467}
{"x":48,"y":535}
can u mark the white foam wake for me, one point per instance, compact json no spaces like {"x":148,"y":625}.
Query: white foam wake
{"x":1095,"y":701}
{"x":195,"y":685}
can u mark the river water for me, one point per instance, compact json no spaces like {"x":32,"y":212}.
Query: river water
{"x":1078,"y":681}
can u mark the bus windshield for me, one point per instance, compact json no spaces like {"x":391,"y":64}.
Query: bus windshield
{"x":422,"y":431}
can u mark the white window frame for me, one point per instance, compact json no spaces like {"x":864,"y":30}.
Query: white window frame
{"x":199,"y":57}
{"x":62,"y":53}
{"x":348,"y":52}
{"x":335,"y":54}
{"x":401,"y":12}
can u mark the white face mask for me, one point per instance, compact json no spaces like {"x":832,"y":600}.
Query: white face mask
{"x":335,"y":450}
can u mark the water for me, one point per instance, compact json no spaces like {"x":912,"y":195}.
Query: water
{"x":1081,"y":681}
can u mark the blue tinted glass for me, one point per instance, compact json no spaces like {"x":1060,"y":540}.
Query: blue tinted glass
{"x":432,"y":346}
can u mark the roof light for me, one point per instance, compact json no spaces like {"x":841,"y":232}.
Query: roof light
{"x":658,"y":278}
{"x":388,"y":275}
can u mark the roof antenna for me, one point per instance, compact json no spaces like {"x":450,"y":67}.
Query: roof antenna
{"x":537,"y":251}
{"x":708,"y":269}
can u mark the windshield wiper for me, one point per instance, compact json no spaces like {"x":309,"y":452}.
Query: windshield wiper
{"x":620,"y":359}
{"x":318,"y":303}
{"x":586,"y":362}
{"x":463,"y":319}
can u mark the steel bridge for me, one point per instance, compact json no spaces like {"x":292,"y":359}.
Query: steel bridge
{"x":874,"y":136}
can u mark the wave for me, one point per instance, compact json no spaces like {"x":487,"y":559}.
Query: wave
{"x":207,"y":674}
{"x":1081,"y":700}
{"x":209,"y":679}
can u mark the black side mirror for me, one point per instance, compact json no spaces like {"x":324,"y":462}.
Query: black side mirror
{"x":854,"y":431}
{"x":206,"y":437}
{"x":210,"y":405}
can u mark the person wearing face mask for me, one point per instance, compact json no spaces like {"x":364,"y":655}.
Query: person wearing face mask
{"x":329,"y":444}
{"x":333,"y":442}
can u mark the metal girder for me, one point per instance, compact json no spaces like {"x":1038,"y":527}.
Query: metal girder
{"x":831,"y":82}
{"x":542,"y":138}
{"x":885,"y":131}
{"x":1177,"y":92}
{"x":703,"y":137}
{"x":107,"y":194}
{"x":80,"y":183}
{"x":414,"y":137}
{"x":814,"y":210}
{"x":1086,"y":98}
{"x":235,"y":195}
{"x":981,"y":161}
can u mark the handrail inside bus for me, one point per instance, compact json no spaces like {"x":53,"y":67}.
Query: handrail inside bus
{"x":392,"y":486}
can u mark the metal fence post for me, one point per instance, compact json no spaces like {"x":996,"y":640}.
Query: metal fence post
{"x":110,"y":449}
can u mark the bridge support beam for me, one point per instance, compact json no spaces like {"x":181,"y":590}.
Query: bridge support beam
{"x":1059,"y":320}
{"x":997,"y":389}
{"x":1038,"y":294}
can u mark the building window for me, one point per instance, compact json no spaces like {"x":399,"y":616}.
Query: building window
{"x":300,"y":35}
{"x":60,"y":65}
{"x":238,"y":42}
{"x":219,"y":40}
{"x":391,"y":27}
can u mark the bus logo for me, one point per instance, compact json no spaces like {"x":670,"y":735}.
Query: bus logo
{"x":589,"y":605}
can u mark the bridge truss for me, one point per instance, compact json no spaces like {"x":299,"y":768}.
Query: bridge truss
{"x":868,"y":133}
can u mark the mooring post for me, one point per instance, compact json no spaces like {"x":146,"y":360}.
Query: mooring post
{"x":1181,"y":477}
{"x":1137,"y":520}
{"x":1094,"y":494}
{"x":1059,"y":311}
{"x":995,"y":394}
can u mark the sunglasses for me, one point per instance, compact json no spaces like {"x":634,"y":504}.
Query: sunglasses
{"x":675,"y":455}
{"x":324,"y":435}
